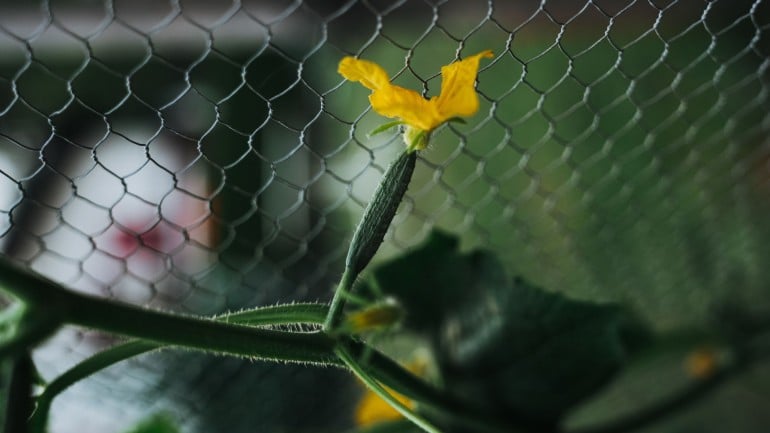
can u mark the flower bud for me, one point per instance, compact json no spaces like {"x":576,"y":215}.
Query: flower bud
{"x":380,"y":212}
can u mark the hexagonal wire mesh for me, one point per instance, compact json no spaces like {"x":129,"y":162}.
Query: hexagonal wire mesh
{"x":205,"y":156}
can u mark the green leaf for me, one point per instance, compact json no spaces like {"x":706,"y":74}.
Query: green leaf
{"x":519,"y":351}
{"x":156,"y":424}
{"x":385,"y":126}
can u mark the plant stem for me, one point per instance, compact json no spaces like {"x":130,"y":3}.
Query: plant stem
{"x":401,"y":380}
{"x":386,"y":371}
{"x":19,"y":403}
{"x":33,"y":325}
{"x":204,"y":334}
{"x":303,"y":312}
{"x":373,"y":385}
{"x":381,"y":367}
{"x":101,"y":360}
{"x":165,"y":328}
{"x":30,"y":288}
{"x":334,"y":316}
{"x":270,"y":315}
{"x":158,"y":328}
{"x":462,"y":412}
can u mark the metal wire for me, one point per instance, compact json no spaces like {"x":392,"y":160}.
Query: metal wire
{"x":205,"y":156}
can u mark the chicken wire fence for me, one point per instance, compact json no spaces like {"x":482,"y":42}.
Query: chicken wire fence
{"x":206,"y":156}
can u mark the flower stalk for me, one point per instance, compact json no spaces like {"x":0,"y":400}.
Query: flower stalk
{"x":43,"y":296}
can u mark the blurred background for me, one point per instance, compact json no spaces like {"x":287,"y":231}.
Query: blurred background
{"x":203,"y":156}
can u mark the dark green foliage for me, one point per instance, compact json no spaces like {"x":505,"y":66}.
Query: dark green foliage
{"x":520,"y":352}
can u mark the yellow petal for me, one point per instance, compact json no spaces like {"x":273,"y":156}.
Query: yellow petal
{"x":407,"y":105}
{"x":374,"y":317}
{"x":370,"y":74}
{"x":458,"y":95}
{"x":372,"y":409}
{"x":457,"y":98}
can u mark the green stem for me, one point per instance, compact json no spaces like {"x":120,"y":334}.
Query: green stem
{"x":304,"y":312}
{"x":166,"y":328}
{"x":203,"y":334}
{"x":373,"y":385}
{"x":34,"y":325}
{"x":19,"y":403}
{"x":270,"y":315}
{"x":80,"y":371}
{"x":401,"y":380}
{"x":159,"y":328}
{"x":30,"y":288}
{"x":397,"y":378}
{"x":334,"y":316}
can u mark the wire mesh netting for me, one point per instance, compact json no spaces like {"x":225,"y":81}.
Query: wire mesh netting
{"x":206,"y":156}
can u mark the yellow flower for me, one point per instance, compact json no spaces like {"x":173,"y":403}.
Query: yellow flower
{"x":371,"y":409}
{"x":457,"y":98}
{"x":375,"y":317}
{"x":702,"y":363}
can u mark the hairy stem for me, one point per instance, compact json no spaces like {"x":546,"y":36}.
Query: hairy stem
{"x":373,"y":385}
{"x":225,"y":334}
{"x":386,"y":371}
{"x":106,"y":358}
{"x":165,"y":328}
{"x":303,"y":312}
{"x":270,"y":315}
{"x":204,"y":334}
{"x":338,"y":302}
{"x":158,"y":328}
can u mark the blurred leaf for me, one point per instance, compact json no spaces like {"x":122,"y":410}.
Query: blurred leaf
{"x":507,"y":346}
{"x":156,"y":424}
